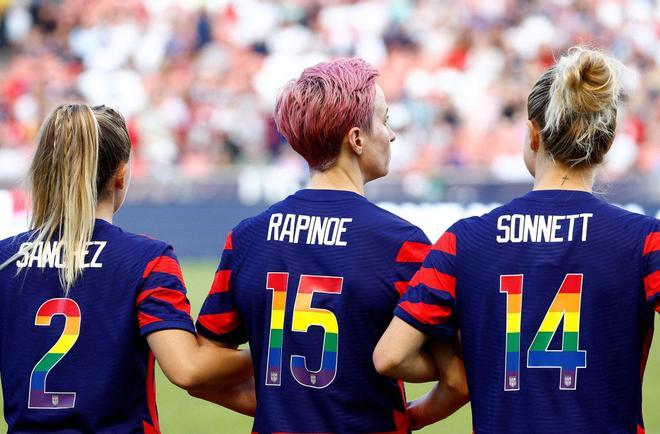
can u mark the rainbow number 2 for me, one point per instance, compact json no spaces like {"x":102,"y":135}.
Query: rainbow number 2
{"x":304,"y":316}
{"x":566,"y":307}
{"x":39,"y":398}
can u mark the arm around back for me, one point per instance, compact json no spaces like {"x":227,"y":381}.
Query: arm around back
{"x":164,"y":319}
{"x":449,"y":394}
{"x":400,"y":354}
{"x":241,"y":398}
{"x":238,"y":391}
{"x":198,"y":366}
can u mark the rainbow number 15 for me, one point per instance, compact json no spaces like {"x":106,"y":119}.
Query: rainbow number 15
{"x":39,"y":398}
{"x":566,"y":306}
{"x":304,"y":316}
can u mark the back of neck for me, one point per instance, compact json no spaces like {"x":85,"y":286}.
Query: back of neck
{"x":336,"y":178}
{"x":105,"y":210}
{"x":556,"y":176}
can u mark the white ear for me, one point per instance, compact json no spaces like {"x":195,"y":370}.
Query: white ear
{"x":355,"y":141}
{"x":533,"y":136}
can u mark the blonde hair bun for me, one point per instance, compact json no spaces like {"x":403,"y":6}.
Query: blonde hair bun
{"x":575,"y":104}
{"x":588,"y":81}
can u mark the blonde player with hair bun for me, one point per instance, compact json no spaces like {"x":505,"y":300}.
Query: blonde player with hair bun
{"x":86,"y":307}
{"x":554,"y":292}
{"x":572,"y":113}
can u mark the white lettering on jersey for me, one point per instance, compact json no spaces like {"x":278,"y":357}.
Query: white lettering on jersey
{"x":522,"y":228}
{"x":324,"y":231}
{"x":48,"y":255}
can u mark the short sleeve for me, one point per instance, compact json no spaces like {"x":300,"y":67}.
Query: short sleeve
{"x":409,"y":258}
{"x":219,"y":319}
{"x":651,"y":266}
{"x":429,"y":302}
{"x":161,"y":299}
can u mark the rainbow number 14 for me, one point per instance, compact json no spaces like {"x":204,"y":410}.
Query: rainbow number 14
{"x":304,"y":316}
{"x":566,"y":306}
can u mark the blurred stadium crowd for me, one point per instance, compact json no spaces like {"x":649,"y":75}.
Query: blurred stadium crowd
{"x":197,"y":79}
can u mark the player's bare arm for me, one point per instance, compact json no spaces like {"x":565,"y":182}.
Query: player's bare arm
{"x":449,"y":394}
{"x":398,"y":355}
{"x":241,"y":398}
{"x":200,"y":366}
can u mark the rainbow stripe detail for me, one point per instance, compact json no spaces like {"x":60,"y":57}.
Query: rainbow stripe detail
{"x":278,"y":283}
{"x":39,"y":398}
{"x":305,"y":316}
{"x":512,"y":286}
{"x":566,"y":307}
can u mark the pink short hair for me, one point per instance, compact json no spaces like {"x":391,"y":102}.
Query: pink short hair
{"x":315,"y":112}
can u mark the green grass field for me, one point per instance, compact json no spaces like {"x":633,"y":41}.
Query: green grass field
{"x":182,"y":414}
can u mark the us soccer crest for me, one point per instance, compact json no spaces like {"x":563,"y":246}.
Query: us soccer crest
{"x":273,"y":377}
{"x":513,"y":382}
{"x":568,"y":380}
{"x":55,"y":399}
{"x":312,"y":378}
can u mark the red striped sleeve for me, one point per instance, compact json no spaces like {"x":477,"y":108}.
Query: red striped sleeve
{"x":652,"y":284}
{"x":427,"y":313}
{"x":220,"y":323}
{"x":151,"y":398}
{"x":433,"y":278}
{"x":228,"y":242}
{"x":146,"y":319}
{"x":164,"y":264}
{"x":412,"y":251}
{"x":176,"y":298}
{"x":148,"y":428}
{"x":652,"y":243}
{"x":401,"y":287}
{"x":446,"y":243}
{"x":220,"y":282}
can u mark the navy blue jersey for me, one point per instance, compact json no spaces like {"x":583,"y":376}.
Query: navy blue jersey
{"x":311,"y":284}
{"x":81,"y":363}
{"x":554,"y":295}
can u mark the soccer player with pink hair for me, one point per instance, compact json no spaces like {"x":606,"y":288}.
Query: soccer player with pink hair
{"x":311,"y":283}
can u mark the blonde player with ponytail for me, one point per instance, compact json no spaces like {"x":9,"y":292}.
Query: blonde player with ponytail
{"x":554,"y":292}
{"x":85,"y":306}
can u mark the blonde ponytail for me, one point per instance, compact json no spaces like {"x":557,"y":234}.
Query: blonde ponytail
{"x":63,"y":182}
{"x":79,"y":151}
{"x":575,"y":106}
